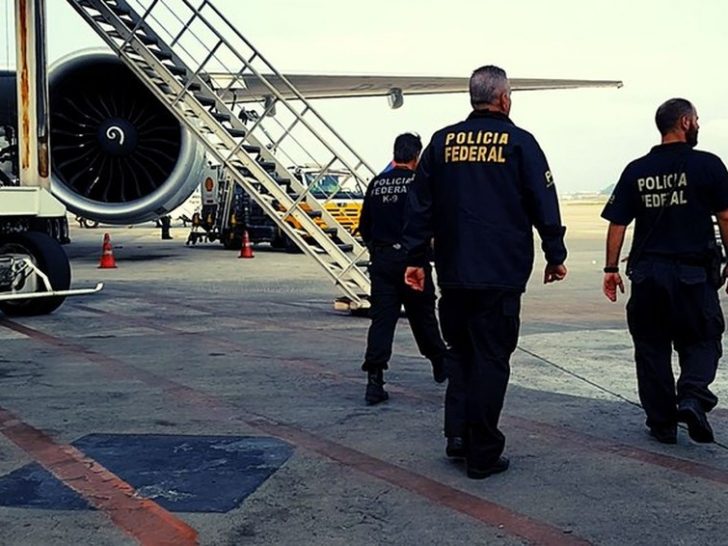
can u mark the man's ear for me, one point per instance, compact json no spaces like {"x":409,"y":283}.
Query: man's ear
{"x":505,"y":102}
{"x":685,"y":123}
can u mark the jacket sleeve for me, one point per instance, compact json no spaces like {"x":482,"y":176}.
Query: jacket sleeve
{"x":542,"y":202}
{"x":418,"y":229}
{"x":365,"y":217}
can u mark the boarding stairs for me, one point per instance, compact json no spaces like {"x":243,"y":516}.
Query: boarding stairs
{"x":201,"y":67}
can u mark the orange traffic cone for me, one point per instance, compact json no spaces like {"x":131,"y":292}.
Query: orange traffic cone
{"x":246,"y":251}
{"x":107,"y":254}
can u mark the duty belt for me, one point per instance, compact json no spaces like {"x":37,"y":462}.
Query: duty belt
{"x":394,"y":246}
{"x":700,"y":261}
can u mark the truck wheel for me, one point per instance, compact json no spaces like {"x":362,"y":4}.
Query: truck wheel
{"x":232,"y":243}
{"x":48,"y":256}
{"x":279,"y":242}
{"x":291,"y":247}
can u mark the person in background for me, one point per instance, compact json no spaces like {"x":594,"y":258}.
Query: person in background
{"x":380,"y":226}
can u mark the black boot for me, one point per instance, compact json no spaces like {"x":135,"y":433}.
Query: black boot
{"x":375,"y":388}
{"x":692,"y":414}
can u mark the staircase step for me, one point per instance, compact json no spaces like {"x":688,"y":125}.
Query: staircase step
{"x":205,"y":100}
{"x":176,"y":70}
{"x":161,"y":54}
{"x":146,"y":40}
{"x":236,"y":133}
{"x":220,"y":116}
{"x":118,"y":9}
{"x":251,"y":149}
{"x":193,"y":87}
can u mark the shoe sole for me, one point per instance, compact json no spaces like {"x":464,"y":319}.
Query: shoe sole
{"x":696,"y":430}
{"x":377,"y":400}
{"x":664,"y":439}
{"x":482,"y":474}
{"x":455,"y":454}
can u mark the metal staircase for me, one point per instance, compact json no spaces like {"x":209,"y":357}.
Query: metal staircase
{"x":194,"y":60}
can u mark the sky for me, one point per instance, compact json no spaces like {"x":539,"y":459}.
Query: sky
{"x":659,"y":49}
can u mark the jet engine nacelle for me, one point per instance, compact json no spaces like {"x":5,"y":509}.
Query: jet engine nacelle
{"x":117,"y":154}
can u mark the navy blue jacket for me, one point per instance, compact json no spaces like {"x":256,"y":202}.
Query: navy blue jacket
{"x":382,"y":213}
{"x":480,"y":188}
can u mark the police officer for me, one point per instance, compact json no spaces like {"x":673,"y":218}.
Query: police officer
{"x":165,"y":223}
{"x":480,"y":188}
{"x":674,"y":265}
{"x":380,"y":226}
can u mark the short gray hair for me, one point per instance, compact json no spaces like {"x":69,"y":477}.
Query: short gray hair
{"x":487,"y":84}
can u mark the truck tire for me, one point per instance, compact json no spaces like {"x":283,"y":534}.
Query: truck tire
{"x":48,"y":256}
{"x":279,"y":242}
{"x":291,"y":247}
{"x":232,"y":243}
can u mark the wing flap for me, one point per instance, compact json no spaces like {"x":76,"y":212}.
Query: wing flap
{"x":312,"y":86}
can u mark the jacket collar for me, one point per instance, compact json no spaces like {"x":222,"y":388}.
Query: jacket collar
{"x":672,"y":147}
{"x":489,"y":114}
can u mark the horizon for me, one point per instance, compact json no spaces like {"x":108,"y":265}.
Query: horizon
{"x":588,"y":135}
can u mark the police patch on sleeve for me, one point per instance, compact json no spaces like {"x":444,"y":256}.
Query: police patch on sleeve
{"x":549,"y":179}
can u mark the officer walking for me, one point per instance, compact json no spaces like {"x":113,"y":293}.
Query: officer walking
{"x":380,"y":226}
{"x":674,"y":265}
{"x":480,"y":188}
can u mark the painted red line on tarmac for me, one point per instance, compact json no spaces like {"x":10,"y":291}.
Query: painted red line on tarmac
{"x":482,"y":510}
{"x":580,"y":440}
{"x":487,"y":512}
{"x":141,"y":518}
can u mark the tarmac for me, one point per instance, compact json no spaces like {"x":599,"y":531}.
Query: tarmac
{"x":206,"y":399}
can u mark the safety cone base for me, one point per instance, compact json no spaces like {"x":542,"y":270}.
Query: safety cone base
{"x":107,"y":254}
{"x":246,"y":250}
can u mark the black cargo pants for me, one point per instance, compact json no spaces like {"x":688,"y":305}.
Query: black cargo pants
{"x":673,"y":304}
{"x":481,"y":330}
{"x":389,"y":293}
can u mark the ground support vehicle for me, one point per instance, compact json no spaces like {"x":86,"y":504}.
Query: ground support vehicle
{"x":35,"y":275}
{"x":227,"y":210}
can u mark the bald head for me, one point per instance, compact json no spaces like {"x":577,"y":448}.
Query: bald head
{"x":488,"y":88}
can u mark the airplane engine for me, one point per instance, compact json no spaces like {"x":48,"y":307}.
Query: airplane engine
{"x":118,"y":155}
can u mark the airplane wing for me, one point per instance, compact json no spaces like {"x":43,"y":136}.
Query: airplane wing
{"x":252,"y":89}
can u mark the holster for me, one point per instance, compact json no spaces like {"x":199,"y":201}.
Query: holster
{"x":714,"y":266}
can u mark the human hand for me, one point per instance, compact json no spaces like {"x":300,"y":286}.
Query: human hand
{"x":554,"y":273}
{"x":610,"y":284}
{"x":414,"y":277}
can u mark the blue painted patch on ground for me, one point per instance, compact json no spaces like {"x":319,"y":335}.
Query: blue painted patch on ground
{"x":181,"y":473}
{"x":34,"y":487}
